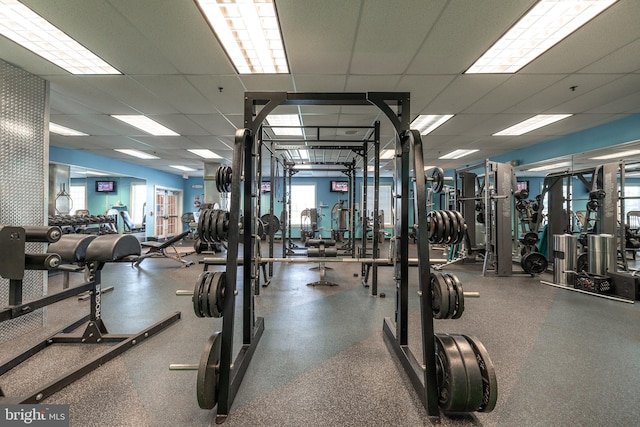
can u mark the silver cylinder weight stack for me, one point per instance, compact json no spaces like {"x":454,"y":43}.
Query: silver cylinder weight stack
{"x":565,"y":257}
{"x":602,"y":254}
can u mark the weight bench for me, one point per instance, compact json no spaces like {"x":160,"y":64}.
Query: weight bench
{"x":159,"y":250}
{"x":320,"y":248}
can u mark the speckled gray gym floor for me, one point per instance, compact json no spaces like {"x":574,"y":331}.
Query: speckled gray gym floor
{"x":561,"y":358}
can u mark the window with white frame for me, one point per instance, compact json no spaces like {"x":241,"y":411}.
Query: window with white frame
{"x":384,"y":202}
{"x":303,"y":196}
{"x":78,"y":194}
{"x":138,"y":201}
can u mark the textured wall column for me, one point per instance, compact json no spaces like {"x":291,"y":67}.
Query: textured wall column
{"x":24,"y":158}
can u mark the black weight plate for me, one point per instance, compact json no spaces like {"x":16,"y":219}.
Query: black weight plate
{"x":436,"y":296}
{"x":453,"y":228}
{"x":459,"y":294}
{"x":474,"y":375}
{"x":219,"y":179}
{"x":583,"y":263}
{"x":438,"y":180}
{"x":197,"y":291}
{"x":222,"y":224}
{"x":530,"y":238}
{"x":213,"y":226}
{"x":442,"y":229}
{"x":201,"y":224}
{"x":212,"y":295}
{"x":451,"y":291}
{"x":462,"y":226}
{"x":208,"y":372}
{"x":431,"y":222}
{"x":452,"y":378}
{"x":209,"y":285}
{"x":228,"y":179}
{"x":440,"y":290}
{"x":272,"y":224}
{"x":534,"y":263}
{"x":261,"y":228}
{"x":489,"y":381}
{"x":220,"y":293}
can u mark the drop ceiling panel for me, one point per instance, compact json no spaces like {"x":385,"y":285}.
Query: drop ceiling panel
{"x":180,"y":124}
{"x":561,"y":92}
{"x":177,"y":31}
{"x":131,"y":93}
{"x":214,"y":124}
{"x":624,"y":60}
{"x":75,"y":90}
{"x":382,"y":47}
{"x":28,"y":61}
{"x":423,"y":90}
{"x":271,"y":82}
{"x":464,"y":91}
{"x":107,"y":33}
{"x":629,"y":104}
{"x":165,"y":142}
{"x":604,"y":94}
{"x":360,"y":83}
{"x":216,"y":144}
{"x":463,"y":32}
{"x":317,"y":39}
{"x":320,"y":83}
{"x":461,"y":124}
{"x":176,"y":91}
{"x":225,"y":93}
{"x":514,"y":90}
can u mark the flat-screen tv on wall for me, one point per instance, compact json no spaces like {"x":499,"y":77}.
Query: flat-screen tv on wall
{"x":340,"y":186}
{"x":523,"y":185}
{"x":265,"y":186}
{"x":106,"y":186}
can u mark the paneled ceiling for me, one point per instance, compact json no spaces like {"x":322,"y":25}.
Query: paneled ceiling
{"x":175,"y":71}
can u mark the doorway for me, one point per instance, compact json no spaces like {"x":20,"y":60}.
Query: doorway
{"x":168,"y":212}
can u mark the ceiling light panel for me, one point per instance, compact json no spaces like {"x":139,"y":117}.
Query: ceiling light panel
{"x":387,"y":154}
{"x":531,"y":124}
{"x":617,"y":155}
{"x":249,"y":31}
{"x":204,"y":153}
{"x":146,"y":124}
{"x":182,"y":168}
{"x":64,"y":131}
{"x":457,"y":154}
{"x":31,"y":31}
{"x":546,"y":24}
{"x":290,"y":124}
{"x":136,"y":153}
{"x":551,"y":166}
{"x":427,"y":123}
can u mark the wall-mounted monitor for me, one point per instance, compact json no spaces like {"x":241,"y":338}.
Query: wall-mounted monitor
{"x":106,"y":186}
{"x":523,"y":185}
{"x":340,"y":186}
{"x":265,"y":186}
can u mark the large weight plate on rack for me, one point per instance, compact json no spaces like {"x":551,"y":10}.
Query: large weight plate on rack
{"x":440,"y":304}
{"x":213,"y":225}
{"x":489,"y":381}
{"x":459,"y":296}
{"x":454,"y":229}
{"x":222,"y":226}
{"x":474,"y":375}
{"x":198,"y":291}
{"x":453,"y":296}
{"x":202,"y":225}
{"x":534,"y":263}
{"x":209,"y":372}
{"x":215,"y":294}
{"x":451,"y":375}
{"x":272,"y":224}
{"x":437,"y":183}
{"x":583,"y":263}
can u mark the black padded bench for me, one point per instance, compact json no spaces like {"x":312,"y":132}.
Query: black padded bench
{"x":159,"y":250}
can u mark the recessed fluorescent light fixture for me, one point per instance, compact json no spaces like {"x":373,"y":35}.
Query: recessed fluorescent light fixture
{"x":204,"y":153}
{"x":136,"y":153}
{"x":546,"y":24}
{"x":96,"y":173}
{"x":387,"y":154}
{"x":64,"y":131}
{"x":457,"y":154}
{"x":31,"y":31}
{"x":429,"y":167}
{"x":551,"y":166}
{"x":531,"y":124}
{"x":304,"y":154}
{"x":146,"y":124}
{"x":291,"y":123}
{"x":618,"y":155}
{"x":249,"y":32}
{"x":426,"y":123}
{"x":182,"y":168}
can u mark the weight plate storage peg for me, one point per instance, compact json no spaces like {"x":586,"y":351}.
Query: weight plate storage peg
{"x":209,"y":372}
